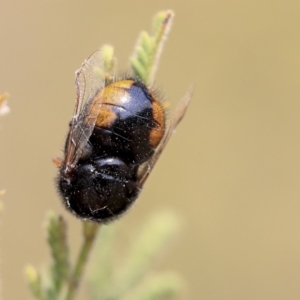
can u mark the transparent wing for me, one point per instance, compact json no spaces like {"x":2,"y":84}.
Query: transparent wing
{"x":176,"y":118}
{"x":88,"y":83}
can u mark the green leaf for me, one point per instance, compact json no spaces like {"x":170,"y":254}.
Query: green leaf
{"x":149,"y":47}
{"x":109,"y":62}
{"x":106,"y":72}
{"x":57,"y":240}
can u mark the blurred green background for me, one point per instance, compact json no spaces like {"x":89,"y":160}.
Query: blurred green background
{"x":232,"y":170}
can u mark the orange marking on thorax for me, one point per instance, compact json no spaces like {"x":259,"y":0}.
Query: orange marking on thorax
{"x":157,"y":133}
{"x":113,"y":94}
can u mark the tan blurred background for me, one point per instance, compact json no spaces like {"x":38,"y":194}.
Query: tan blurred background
{"x":232,"y":171}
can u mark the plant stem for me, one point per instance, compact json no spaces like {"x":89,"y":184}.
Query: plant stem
{"x":89,"y":233}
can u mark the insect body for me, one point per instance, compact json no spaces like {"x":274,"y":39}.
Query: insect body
{"x":116,"y":135}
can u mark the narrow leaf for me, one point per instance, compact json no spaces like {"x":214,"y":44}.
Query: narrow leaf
{"x":149,"y":47}
{"x":57,"y":240}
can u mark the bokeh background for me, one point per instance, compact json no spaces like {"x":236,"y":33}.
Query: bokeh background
{"x":232,"y":170}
